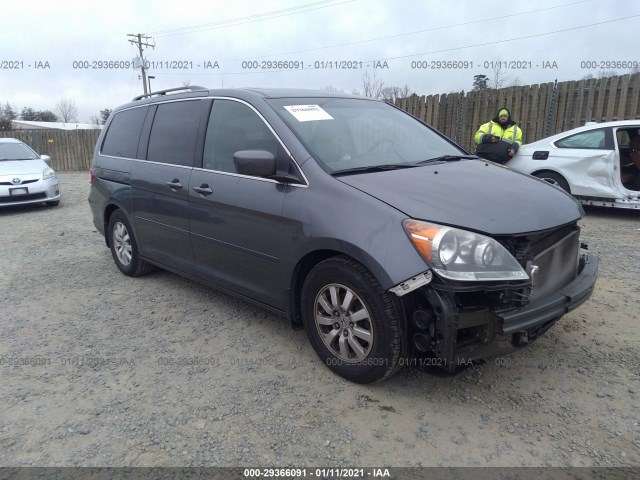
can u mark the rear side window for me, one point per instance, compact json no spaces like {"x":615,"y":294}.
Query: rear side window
{"x":123,"y":135}
{"x":174,"y":133}
{"x":594,"y":139}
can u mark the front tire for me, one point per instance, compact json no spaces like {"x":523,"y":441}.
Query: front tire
{"x":554,"y":179}
{"x":351,"y":321}
{"x":124,"y":247}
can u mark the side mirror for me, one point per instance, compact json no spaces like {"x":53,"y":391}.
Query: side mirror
{"x":46,"y":158}
{"x":256,"y":163}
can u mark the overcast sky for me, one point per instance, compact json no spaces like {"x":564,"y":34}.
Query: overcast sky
{"x":318,"y":34}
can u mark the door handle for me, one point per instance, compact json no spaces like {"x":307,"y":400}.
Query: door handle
{"x":175,"y":184}
{"x":203,"y":189}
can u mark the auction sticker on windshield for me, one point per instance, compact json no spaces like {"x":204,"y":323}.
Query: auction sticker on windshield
{"x":308,"y":113}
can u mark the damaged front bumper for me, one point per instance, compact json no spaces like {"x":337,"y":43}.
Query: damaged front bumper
{"x":554,"y":305}
{"x":458,"y":327}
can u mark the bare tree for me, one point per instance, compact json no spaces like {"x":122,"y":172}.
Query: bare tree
{"x":389,"y":94}
{"x":404,"y":92}
{"x":516,"y":82}
{"x":500,"y":78}
{"x":67,"y":111}
{"x":393,"y":93}
{"x":372,"y":85}
{"x":600,"y":74}
{"x":186,"y":82}
{"x":607,"y":73}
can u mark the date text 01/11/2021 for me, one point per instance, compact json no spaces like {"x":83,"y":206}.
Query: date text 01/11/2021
{"x":315,"y":472}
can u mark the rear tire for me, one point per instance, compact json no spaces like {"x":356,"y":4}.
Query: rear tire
{"x":351,"y":321}
{"x":124,"y":247}
{"x":554,"y":179}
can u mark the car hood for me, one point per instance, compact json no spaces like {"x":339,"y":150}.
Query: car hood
{"x":471,"y":194}
{"x":21,"y":167}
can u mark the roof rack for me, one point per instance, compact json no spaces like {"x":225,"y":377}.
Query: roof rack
{"x":164,"y":92}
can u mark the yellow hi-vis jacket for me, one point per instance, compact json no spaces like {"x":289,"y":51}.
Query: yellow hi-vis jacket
{"x":511,"y":134}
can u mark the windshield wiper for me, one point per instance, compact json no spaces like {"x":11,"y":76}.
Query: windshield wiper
{"x":374,"y":168}
{"x":447,"y":158}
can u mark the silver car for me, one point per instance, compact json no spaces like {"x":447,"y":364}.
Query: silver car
{"x":589,"y":162}
{"x":25,"y":176}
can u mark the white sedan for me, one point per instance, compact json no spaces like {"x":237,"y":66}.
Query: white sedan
{"x":25,"y":176}
{"x":588,"y":162}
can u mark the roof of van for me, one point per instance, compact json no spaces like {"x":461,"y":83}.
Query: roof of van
{"x":242,"y":93}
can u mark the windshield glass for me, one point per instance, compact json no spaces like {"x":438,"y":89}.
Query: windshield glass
{"x":345,"y":134}
{"x":16,"y":151}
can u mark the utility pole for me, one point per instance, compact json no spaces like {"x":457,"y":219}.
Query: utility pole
{"x":139,"y":37}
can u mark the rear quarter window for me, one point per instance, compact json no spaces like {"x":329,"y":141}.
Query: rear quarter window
{"x":121,"y":140}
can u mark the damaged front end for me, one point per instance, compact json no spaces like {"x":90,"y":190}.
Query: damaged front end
{"x":454,"y":321}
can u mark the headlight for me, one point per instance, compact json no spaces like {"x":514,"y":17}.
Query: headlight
{"x":48,"y":173}
{"x":460,"y":255}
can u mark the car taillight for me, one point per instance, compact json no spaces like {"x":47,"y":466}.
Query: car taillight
{"x":91,"y":176}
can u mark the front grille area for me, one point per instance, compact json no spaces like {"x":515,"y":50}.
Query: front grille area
{"x":554,"y":253}
{"x":23,"y":198}
{"x":557,"y":266}
{"x":24,"y":182}
{"x":525,"y":247}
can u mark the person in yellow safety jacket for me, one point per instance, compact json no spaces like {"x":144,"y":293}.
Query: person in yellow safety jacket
{"x":499,"y":139}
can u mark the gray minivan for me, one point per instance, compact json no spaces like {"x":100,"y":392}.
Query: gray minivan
{"x":386,"y":241}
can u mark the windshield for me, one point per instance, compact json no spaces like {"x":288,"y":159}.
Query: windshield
{"x":16,"y":151}
{"x":345,"y":134}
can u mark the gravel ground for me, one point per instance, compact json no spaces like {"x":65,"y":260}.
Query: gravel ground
{"x":103,"y":383}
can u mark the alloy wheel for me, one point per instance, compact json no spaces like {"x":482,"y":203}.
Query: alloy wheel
{"x":122,"y":243}
{"x":344,"y":323}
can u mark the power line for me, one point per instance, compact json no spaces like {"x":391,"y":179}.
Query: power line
{"x":251,"y":18}
{"x":409,"y":33}
{"x":509,"y":39}
{"x":231,"y":20}
{"x":435,"y":51}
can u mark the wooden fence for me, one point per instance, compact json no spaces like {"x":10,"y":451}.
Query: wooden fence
{"x":540,"y":110}
{"x":68,"y":149}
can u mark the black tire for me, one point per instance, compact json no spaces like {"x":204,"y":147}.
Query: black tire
{"x":53,"y":203}
{"x":554,"y":179}
{"x":124,"y":247}
{"x":374,"y":360}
